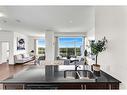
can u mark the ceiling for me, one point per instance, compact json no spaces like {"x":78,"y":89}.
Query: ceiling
{"x":36,"y":20}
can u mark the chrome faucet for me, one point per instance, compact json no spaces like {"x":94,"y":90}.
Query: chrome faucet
{"x":77,"y":75}
{"x":76,"y":67}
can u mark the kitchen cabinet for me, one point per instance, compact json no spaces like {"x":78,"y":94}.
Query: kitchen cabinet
{"x":88,"y":86}
{"x":13,"y":86}
{"x":84,"y":86}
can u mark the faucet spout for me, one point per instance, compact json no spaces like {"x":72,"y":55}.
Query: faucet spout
{"x":76,"y":67}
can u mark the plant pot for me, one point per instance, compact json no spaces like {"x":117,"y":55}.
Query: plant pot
{"x":96,"y":67}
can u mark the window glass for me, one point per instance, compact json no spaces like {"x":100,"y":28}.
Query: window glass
{"x":70,"y":46}
{"x":41,"y":47}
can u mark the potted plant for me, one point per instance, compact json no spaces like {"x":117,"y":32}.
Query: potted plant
{"x":96,"y":48}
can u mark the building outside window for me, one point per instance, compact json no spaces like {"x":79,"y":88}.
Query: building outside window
{"x":70,"y":46}
{"x":40,"y":47}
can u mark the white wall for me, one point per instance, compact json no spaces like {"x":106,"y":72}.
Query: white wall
{"x":70,"y":34}
{"x":0,"y":52}
{"x":56,"y":47}
{"x":16,"y":35}
{"x":50,"y":45}
{"x":32,"y":43}
{"x":91,"y":34}
{"x":112,"y":23}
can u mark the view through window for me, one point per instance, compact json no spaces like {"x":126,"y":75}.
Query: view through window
{"x":70,"y":46}
{"x":41,"y":47}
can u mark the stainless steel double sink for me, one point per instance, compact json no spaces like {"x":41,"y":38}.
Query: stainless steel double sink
{"x":79,"y":74}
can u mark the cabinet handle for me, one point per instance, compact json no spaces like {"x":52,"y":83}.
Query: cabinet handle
{"x":84,"y":86}
{"x":110,"y":86}
{"x":81,"y":86}
{"x":4,"y":86}
{"x":23,"y":86}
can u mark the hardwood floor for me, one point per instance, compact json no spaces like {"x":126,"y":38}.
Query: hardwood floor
{"x":8,"y":70}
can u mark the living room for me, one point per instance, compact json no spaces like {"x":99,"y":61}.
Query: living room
{"x":30,"y":35}
{"x":52,"y":22}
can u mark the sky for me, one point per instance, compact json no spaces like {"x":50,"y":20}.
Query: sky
{"x":41,"y":42}
{"x":64,"y":42}
{"x":70,"y":42}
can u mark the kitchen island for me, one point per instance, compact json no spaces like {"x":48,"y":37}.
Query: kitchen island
{"x":59,"y":77}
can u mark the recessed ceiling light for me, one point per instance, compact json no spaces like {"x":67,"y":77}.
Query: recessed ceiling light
{"x":2,"y":15}
{"x":17,"y":20}
{"x":4,"y":21}
{"x":70,"y":21}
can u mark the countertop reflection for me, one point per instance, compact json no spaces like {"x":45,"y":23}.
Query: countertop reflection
{"x":53,"y":74}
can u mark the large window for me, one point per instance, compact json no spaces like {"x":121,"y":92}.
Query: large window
{"x":70,"y":46}
{"x":40,"y":47}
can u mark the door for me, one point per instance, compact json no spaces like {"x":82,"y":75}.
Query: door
{"x":5,"y":52}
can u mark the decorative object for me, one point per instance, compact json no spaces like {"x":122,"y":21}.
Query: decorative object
{"x":68,"y":56}
{"x":96,"y":48}
{"x":32,"y":53}
{"x":85,"y":55}
{"x":20,"y":44}
{"x":85,"y":66}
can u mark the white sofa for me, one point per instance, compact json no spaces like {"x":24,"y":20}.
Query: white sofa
{"x":23,"y":58}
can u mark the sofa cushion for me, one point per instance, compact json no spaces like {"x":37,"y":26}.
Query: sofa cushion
{"x":22,"y":58}
{"x":26,"y":55}
{"x":19,"y":57}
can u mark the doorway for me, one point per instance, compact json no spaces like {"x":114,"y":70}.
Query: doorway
{"x":5,"y":52}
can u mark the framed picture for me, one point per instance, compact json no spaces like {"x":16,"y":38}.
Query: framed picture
{"x":20,"y":44}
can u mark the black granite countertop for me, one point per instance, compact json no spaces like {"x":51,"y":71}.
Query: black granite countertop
{"x":54,"y":74}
